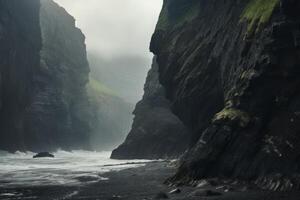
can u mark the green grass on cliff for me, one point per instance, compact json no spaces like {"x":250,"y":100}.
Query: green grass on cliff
{"x":258,"y":13}
{"x":233,"y":114}
{"x":96,"y":87}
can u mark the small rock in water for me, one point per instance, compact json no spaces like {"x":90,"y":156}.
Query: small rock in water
{"x":175,"y":191}
{"x":161,"y":195}
{"x":44,"y":155}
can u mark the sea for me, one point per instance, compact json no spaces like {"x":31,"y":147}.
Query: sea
{"x":68,"y":169}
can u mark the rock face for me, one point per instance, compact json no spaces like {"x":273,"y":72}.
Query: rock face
{"x":231,"y":72}
{"x":60,"y":105}
{"x":44,"y":155}
{"x":156,"y":132}
{"x":44,"y":71}
{"x":20,"y":40}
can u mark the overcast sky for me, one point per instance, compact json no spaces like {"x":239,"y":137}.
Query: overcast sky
{"x":118,"y":34}
{"x":115,"y":27}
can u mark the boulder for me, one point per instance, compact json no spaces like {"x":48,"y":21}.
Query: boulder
{"x":44,"y":155}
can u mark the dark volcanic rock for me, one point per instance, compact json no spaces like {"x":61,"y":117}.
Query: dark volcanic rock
{"x":44,"y":71}
{"x":44,"y":155}
{"x":20,"y":39}
{"x":231,"y":73}
{"x":60,"y":108}
{"x":156,"y":131}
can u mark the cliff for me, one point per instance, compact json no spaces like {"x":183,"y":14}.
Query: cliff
{"x":45,"y":70}
{"x":230,"y":70}
{"x":156,"y":132}
{"x":60,"y":107}
{"x":19,"y":62}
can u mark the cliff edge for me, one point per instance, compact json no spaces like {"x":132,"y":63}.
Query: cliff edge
{"x":231,"y":72}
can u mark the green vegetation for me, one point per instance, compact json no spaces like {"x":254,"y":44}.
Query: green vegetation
{"x":168,"y":19}
{"x":233,"y":114}
{"x":97,"y":87}
{"x":258,"y":13}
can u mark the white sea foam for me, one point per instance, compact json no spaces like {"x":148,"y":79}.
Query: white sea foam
{"x":67,"y":168}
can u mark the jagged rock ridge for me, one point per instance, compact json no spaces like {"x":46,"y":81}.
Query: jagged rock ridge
{"x":156,"y":132}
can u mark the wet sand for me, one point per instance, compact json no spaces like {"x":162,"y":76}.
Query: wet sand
{"x":143,"y":183}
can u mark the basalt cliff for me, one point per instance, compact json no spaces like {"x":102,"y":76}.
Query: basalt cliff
{"x":44,"y":72}
{"x":230,"y":71}
{"x":156,"y":132}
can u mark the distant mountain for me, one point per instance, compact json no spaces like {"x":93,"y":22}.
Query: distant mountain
{"x":112,"y":116}
{"x":124,"y":75}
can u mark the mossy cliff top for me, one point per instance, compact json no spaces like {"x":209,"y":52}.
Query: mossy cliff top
{"x":177,"y":12}
{"x":233,"y":114}
{"x":258,"y":13}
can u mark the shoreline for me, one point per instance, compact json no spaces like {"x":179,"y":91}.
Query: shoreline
{"x":147,"y":183}
{"x":142,"y":183}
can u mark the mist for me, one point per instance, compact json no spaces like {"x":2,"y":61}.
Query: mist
{"x":117,"y":38}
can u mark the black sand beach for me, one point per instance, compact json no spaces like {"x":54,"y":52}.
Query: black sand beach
{"x":143,"y":183}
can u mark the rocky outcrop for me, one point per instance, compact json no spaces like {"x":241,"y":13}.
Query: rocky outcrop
{"x":231,"y":72}
{"x":44,"y":73}
{"x":156,"y":132}
{"x":43,"y":155}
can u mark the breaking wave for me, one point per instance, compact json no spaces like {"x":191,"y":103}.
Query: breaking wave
{"x":67,"y":168}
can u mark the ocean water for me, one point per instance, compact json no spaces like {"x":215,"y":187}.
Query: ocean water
{"x":74,"y":168}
